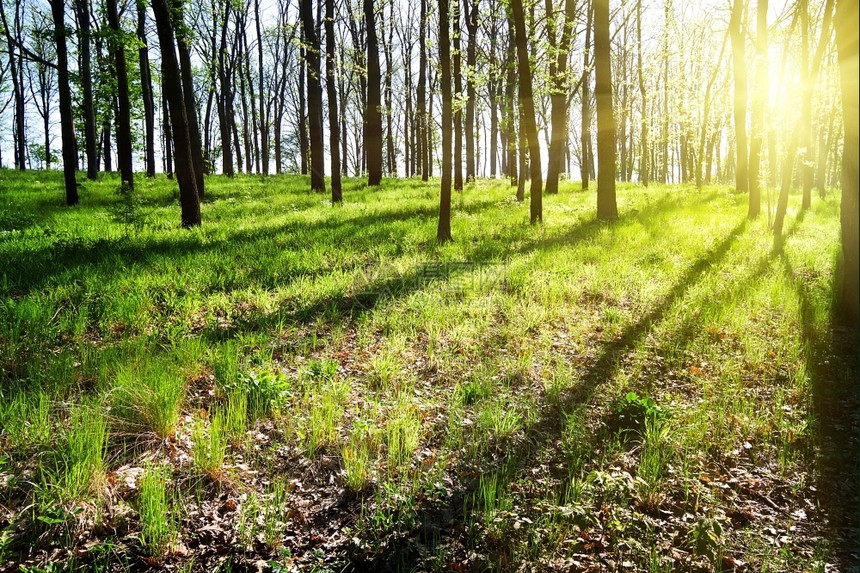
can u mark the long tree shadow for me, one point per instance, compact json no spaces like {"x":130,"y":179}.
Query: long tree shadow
{"x":548,"y":426}
{"x":832,"y":366}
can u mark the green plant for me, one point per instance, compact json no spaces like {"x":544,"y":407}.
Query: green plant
{"x":82,"y":457}
{"x":209,"y":448}
{"x":129,"y":210}
{"x":359,"y":455}
{"x":148,"y":401}
{"x":156,"y":527}
{"x":402,"y":433}
{"x":633,"y":411}
{"x":706,"y":537}
{"x":267,"y":391}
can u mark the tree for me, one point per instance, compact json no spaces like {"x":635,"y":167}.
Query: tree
{"x":759,"y":102}
{"x":527,"y":111}
{"x":315,"y":125}
{"x":123,"y":133}
{"x":372,"y":113}
{"x":146,"y":89}
{"x":471,"y":59}
{"x":443,"y":231}
{"x":847,"y":46}
{"x":423,"y":139}
{"x":67,"y":118}
{"x":458,"y":91}
{"x":185,"y":71}
{"x":16,"y":67}
{"x":331,"y":89}
{"x":739,"y":67}
{"x":189,"y":200}
{"x":643,"y":139}
{"x":606,"y":205}
{"x":558,"y":97}
{"x":82,"y":8}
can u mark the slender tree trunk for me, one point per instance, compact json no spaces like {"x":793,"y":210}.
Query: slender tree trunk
{"x":390,"y":153}
{"x":739,"y":67}
{"x":372,"y":115}
{"x":558,"y":97}
{"x":458,"y":90}
{"x":264,"y":118}
{"x":67,"y":118}
{"x":606,"y":205}
{"x":423,"y":124}
{"x":123,"y":133}
{"x":644,"y":151}
{"x":585,"y":169}
{"x":512,"y":110}
{"x":90,"y":146}
{"x":331,"y":88}
{"x":847,"y":46}
{"x":146,"y":90}
{"x":223,"y":110}
{"x":471,"y":61}
{"x":188,"y":197}
{"x":315,"y":124}
{"x":528,"y":111}
{"x":443,"y":231}
{"x":759,"y":103}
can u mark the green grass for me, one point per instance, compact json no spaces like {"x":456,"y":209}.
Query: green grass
{"x":340,"y":358}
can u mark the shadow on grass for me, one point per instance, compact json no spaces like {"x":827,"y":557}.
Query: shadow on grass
{"x":832,"y":366}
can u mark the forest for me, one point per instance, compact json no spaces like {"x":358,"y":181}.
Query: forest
{"x":459,"y":285}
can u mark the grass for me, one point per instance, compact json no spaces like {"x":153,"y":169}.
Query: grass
{"x":343,"y":370}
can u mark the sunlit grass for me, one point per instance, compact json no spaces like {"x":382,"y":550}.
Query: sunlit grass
{"x":293,"y":335}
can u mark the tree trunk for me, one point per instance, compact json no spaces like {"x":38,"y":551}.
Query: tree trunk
{"x":223,"y":110}
{"x":67,"y":118}
{"x":512,"y":110}
{"x":90,"y":146}
{"x":739,"y":67}
{"x":188,"y":197}
{"x":606,"y":205}
{"x":558,"y":97}
{"x":847,"y":46}
{"x":458,"y":91}
{"x":372,"y":114}
{"x":528,"y":111}
{"x":759,"y":103}
{"x":585,"y":168}
{"x":644,"y":151}
{"x":315,"y":125}
{"x":146,"y":90}
{"x":123,"y":132}
{"x":443,"y":231}
{"x":264,"y":118}
{"x":423,"y":124}
{"x":471,"y":61}
{"x":167,"y":133}
{"x":331,"y":88}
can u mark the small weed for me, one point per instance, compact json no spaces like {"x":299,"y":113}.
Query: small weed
{"x":402,"y":433}
{"x":632,"y":411}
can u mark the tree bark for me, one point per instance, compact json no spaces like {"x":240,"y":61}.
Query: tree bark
{"x":585,"y":168}
{"x":606,"y":205}
{"x":372,"y":113}
{"x":471,"y":61}
{"x":146,"y":90}
{"x":423,"y":152}
{"x":558,"y":97}
{"x":528,"y":111}
{"x":67,"y":118}
{"x":739,"y":67}
{"x":443,"y":231}
{"x":331,"y":88}
{"x":847,"y":47}
{"x":458,"y":91}
{"x":315,"y":124}
{"x":189,"y":200}
{"x":123,"y":132}
{"x":759,"y":103}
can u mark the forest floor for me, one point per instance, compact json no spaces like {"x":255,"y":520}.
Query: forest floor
{"x":297,"y":387}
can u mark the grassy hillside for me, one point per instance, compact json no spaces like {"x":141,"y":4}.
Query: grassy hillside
{"x":307,"y":387}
